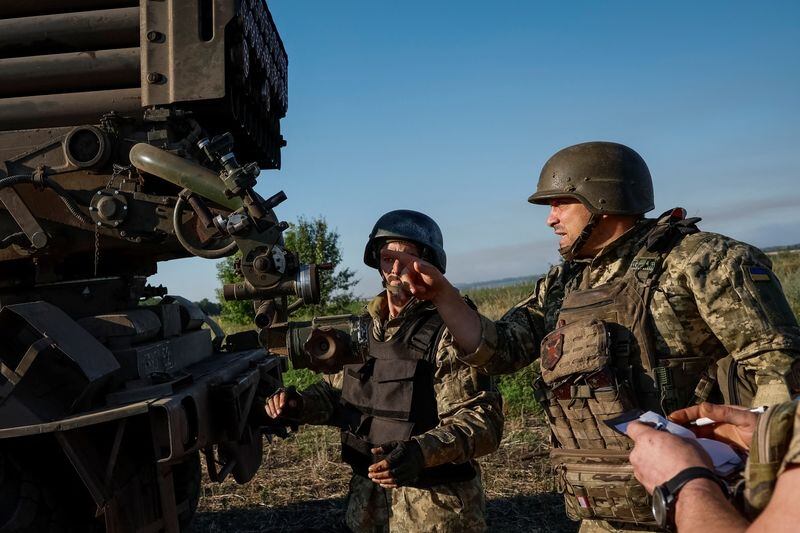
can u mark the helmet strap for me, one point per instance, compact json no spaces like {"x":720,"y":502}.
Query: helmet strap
{"x":568,"y":253}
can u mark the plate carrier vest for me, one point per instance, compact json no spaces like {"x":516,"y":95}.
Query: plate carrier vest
{"x":391,"y":397}
{"x":599,"y":363}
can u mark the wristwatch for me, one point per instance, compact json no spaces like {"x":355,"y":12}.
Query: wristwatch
{"x":664,"y":495}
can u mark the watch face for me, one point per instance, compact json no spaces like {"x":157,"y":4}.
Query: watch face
{"x":660,"y":506}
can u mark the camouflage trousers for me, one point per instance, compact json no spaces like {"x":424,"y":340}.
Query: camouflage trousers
{"x":448,"y":508}
{"x":601,"y":526}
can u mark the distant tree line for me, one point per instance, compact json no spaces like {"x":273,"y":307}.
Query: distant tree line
{"x":210,"y":308}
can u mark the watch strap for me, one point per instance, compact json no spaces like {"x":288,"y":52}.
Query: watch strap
{"x":695,"y":472}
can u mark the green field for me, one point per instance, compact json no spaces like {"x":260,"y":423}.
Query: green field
{"x":787,"y":267}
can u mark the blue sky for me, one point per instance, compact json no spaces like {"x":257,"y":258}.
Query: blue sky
{"x":452,"y":107}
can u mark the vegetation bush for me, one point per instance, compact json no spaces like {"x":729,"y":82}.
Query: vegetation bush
{"x":314,"y":242}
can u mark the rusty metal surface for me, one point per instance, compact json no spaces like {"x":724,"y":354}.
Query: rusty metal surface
{"x":69,"y":72}
{"x":81,"y":31}
{"x":66,"y":109}
{"x":71,"y":107}
{"x":186,"y":66}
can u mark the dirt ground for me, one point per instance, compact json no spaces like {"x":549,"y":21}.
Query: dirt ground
{"x":301,"y":487}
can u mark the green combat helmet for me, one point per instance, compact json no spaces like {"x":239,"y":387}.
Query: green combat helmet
{"x":607,"y":178}
{"x":411,"y":226}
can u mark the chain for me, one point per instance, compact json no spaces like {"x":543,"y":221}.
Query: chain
{"x":117,"y":171}
{"x":96,"y":247}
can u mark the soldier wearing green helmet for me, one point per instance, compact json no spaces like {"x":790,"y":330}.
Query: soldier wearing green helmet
{"x":642,"y":313}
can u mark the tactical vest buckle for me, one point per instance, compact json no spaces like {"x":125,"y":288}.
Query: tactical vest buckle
{"x":601,"y":379}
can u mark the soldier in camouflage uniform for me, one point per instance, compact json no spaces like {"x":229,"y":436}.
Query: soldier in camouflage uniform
{"x":643,"y":313}
{"x":772,"y":476}
{"x":414,"y":416}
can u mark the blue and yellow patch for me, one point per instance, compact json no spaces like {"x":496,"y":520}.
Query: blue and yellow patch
{"x":758,"y":274}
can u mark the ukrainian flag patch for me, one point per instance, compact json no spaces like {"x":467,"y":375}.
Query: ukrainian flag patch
{"x":759,"y":274}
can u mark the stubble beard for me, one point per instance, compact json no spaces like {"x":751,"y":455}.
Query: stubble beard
{"x":398,"y":291}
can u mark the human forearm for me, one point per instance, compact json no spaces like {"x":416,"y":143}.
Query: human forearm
{"x":701,"y":507}
{"x":320,"y":401}
{"x":472,"y":431}
{"x":506,"y":345}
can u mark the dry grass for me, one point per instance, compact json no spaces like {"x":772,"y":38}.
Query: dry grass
{"x":494,"y":302}
{"x":301,"y":486}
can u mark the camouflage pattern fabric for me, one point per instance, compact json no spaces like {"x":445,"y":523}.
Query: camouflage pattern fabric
{"x":601,"y":526}
{"x":716,"y":296}
{"x":470,"y":425}
{"x":775,"y":446}
{"x":449,"y":508}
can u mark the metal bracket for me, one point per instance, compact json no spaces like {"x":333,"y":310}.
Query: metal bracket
{"x":23,"y":217}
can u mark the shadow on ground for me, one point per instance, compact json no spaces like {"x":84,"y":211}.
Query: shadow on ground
{"x":536,"y":512}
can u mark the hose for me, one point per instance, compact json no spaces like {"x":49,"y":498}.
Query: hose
{"x":215,"y":253}
{"x":14,"y":238}
{"x":68,"y":200}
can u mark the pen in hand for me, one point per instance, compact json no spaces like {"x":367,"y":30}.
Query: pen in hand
{"x":707,"y":421}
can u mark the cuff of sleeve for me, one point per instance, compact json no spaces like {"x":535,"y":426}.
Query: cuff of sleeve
{"x":487,"y":347}
{"x":313,"y":411}
{"x":434,"y":450}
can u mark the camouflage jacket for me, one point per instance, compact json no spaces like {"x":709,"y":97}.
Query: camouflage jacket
{"x":715,"y":297}
{"x":470,"y":415}
{"x":774,"y":448}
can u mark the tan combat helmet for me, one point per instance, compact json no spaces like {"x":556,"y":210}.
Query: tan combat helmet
{"x":608,"y":178}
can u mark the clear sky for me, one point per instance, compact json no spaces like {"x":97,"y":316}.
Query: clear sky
{"x":452,"y":108}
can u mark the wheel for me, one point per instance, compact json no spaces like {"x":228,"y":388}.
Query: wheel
{"x":186,"y":478}
{"x":31,"y":503}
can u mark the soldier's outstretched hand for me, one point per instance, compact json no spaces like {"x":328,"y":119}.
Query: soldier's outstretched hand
{"x":735,"y":425}
{"x":424,"y":280}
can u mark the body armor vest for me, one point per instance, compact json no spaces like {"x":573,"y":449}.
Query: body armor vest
{"x":600,"y":362}
{"x":391,"y":397}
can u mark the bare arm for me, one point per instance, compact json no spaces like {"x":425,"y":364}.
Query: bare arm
{"x":702,"y":508}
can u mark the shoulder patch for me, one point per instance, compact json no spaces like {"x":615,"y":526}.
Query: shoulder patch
{"x":643,"y":263}
{"x":758,"y":273}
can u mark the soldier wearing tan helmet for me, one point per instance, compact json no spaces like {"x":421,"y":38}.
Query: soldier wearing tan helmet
{"x":413,"y":417}
{"x":652,"y":314}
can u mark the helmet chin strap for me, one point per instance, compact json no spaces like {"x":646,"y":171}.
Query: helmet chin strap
{"x":568,"y":253}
